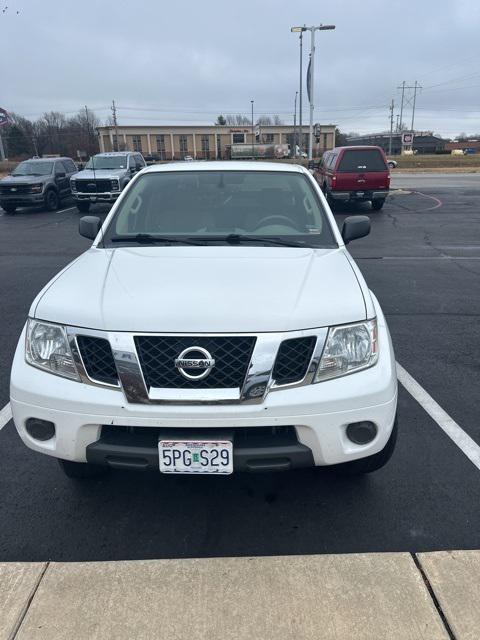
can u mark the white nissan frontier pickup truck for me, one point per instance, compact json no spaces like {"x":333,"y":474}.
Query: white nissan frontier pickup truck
{"x":216,"y":324}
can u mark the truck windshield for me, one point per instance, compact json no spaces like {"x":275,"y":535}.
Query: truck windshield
{"x":29,"y":168}
{"x":355,"y":160}
{"x":221,"y":206}
{"x":107,"y":162}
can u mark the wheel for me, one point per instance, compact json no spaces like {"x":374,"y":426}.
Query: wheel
{"x":81,"y":470}
{"x":83,"y":207}
{"x":331,"y":202}
{"x":378,"y":204}
{"x":391,"y":165}
{"x":9,"y":209}
{"x":51,"y":200}
{"x":372,"y":463}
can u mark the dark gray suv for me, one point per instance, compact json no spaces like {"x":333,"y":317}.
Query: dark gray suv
{"x":39,"y":181}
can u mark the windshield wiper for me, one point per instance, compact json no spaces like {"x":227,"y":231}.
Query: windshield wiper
{"x":238,"y":238}
{"x":147,"y":238}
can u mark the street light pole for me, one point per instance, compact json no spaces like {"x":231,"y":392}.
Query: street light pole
{"x":300,"y":30}
{"x":253,"y":136}
{"x":294,"y":154}
{"x":322,"y":27}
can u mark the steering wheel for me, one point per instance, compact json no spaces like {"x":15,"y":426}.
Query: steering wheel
{"x":276,"y":219}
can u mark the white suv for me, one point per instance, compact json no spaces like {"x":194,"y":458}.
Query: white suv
{"x":217,"y":323}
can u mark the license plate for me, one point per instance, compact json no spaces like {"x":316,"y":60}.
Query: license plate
{"x":93,"y":199}
{"x":195,"y":456}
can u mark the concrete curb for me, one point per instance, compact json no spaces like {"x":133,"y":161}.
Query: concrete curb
{"x":360,"y":596}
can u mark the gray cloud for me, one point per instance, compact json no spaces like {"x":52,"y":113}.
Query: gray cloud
{"x":189,"y":61}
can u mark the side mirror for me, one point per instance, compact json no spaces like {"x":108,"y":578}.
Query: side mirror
{"x":355,"y":227}
{"x":61,"y":174}
{"x":89,"y":226}
{"x":133,"y":170}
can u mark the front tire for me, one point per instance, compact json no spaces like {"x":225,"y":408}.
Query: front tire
{"x":81,"y":470}
{"x":9,"y":209}
{"x":51,"y":200}
{"x":331,"y":202}
{"x":372,"y":463}
{"x":378,"y":204}
{"x":83,"y":207}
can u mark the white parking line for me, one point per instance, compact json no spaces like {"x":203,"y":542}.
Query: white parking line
{"x":5,"y":415}
{"x":463,"y":441}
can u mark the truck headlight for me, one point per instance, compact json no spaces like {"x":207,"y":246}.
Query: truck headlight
{"x":73,"y":185}
{"x":115,"y":185}
{"x":347,"y":349}
{"x":36,"y":188}
{"x":47,"y":348}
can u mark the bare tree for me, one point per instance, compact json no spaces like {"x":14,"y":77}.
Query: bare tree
{"x":264,"y":121}
{"x":238,"y":120}
{"x":277,"y":120}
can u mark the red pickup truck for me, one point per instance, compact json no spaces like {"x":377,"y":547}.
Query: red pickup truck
{"x":354,"y":174}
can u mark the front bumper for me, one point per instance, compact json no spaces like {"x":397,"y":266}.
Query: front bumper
{"x":318,"y":413}
{"x":359,"y":195}
{"x":22,"y":199}
{"x":96,"y":197}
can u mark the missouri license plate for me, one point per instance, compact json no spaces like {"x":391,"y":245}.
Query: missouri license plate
{"x":195,"y":456}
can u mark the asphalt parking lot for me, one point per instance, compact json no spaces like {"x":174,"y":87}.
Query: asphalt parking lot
{"x":422,"y":260}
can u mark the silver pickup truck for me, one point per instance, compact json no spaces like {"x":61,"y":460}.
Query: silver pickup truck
{"x":104,"y":178}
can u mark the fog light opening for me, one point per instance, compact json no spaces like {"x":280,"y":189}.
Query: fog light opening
{"x":40,"y":429}
{"x":361,"y":432}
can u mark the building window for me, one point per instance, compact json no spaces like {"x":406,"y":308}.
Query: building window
{"x":324,"y":140}
{"x":269,"y":139}
{"x":161,"y":147}
{"x":205,"y":145}
{"x":137,"y":143}
{"x":238,"y":138}
{"x":219,"y":146}
{"x":183,"y":145}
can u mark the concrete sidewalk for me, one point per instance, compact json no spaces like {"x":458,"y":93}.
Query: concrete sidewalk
{"x":360,"y":596}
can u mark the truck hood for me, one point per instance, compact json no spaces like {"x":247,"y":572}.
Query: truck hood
{"x":108,"y":174}
{"x":205,"y":289}
{"x":13,"y":180}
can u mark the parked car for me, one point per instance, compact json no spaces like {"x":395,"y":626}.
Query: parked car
{"x":38,"y":181}
{"x":392,"y":163}
{"x":104,"y":177}
{"x":354,"y":174}
{"x":217,"y":323}
{"x":188,"y":159}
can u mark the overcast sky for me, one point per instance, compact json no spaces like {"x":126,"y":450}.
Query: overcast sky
{"x":189,"y":60}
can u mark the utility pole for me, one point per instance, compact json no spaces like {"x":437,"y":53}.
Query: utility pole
{"x":115,"y":124}
{"x":391,"y":129}
{"x":397,"y":128}
{"x":408,"y":98}
{"x":2,"y":150}
{"x":401,"y":107}
{"x":414,"y":101}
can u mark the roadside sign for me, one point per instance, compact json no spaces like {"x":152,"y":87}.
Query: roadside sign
{"x":407,"y":138}
{"x":4,"y":117}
